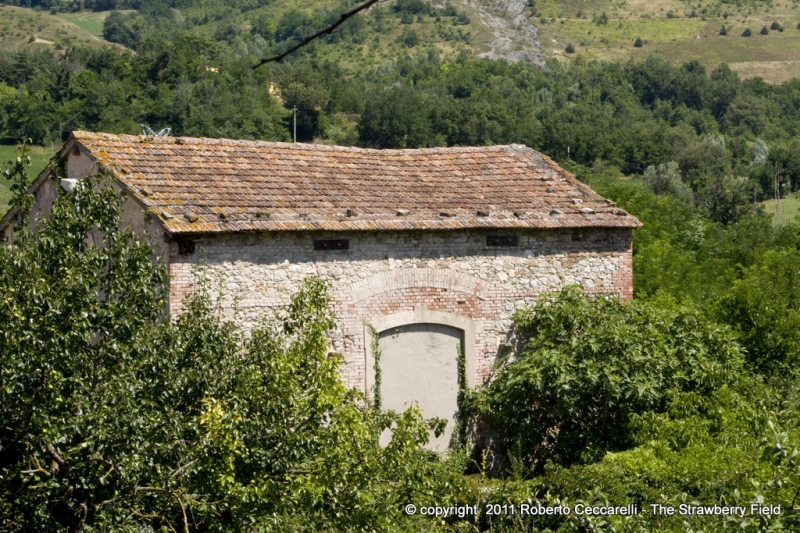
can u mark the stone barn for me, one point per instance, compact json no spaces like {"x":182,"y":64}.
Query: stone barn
{"x":434,"y":248}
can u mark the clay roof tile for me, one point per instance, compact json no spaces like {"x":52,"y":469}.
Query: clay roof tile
{"x":387,"y":189}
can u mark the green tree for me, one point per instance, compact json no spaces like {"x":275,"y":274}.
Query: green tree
{"x":115,"y":417}
{"x":588,"y":365}
{"x":666,"y":179}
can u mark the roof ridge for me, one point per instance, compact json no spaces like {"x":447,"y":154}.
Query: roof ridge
{"x":88,"y":135}
{"x":197,"y":185}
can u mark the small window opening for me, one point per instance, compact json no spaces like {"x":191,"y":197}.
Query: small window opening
{"x":185,"y":247}
{"x":502,"y":240}
{"x":331,"y":244}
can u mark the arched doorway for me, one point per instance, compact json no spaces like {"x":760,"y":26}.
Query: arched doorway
{"x":419,"y":363}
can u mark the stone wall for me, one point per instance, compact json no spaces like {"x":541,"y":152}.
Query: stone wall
{"x":383,"y":273}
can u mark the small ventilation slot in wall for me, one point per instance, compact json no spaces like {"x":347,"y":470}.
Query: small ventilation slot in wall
{"x":185,"y":247}
{"x":331,"y":244}
{"x":502,"y":240}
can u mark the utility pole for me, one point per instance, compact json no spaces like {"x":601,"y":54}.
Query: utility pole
{"x":777,"y":196}
{"x":294,"y":113}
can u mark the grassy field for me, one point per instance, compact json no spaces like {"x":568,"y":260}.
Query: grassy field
{"x":788,"y":209}
{"x":25,"y":27}
{"x":679,"y":30}
{"x":40,"y":157}
{"x":89,"y":21}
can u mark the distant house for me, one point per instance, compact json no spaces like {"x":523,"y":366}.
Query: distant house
{"x":435,"y":248}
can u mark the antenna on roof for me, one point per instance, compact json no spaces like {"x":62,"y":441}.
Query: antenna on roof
{"x":149,"y":132}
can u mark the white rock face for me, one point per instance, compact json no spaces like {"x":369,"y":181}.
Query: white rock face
{"x":515,"y":37}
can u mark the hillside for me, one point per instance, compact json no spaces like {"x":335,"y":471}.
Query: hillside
{"x":21,"y":27}
{"x":498,"y":29}
{"x":681,"y":31}
{"x":531,"y":30}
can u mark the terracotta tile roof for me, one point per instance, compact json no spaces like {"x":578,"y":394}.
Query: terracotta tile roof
{"x":218,"y":185}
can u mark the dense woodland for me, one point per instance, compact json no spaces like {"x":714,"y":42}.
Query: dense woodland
{"x":112,"y":419}
{"x":728,"y":137}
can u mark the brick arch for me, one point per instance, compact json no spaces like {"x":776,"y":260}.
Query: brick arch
{"x":406,"y":278}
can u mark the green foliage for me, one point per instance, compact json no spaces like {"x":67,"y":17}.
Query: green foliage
{"x":723,"y":30}
{"x":570,"y":49}
{"x":610,"y":404}
{"x":763,"y":303}
{"x":16,"y":173}
{"x":747,"y":32}
{"x":741,"y":274}
{"x":764,"y":31}
{"x":638,"y":43}
{"x":732,"y":447}
{"x":375,"y":348}
{"x":588,"y":365}
{"x":63,"y":5}
{"x":666,"y":179}
{"x":115,"y":418}
{"x":409,"y":38}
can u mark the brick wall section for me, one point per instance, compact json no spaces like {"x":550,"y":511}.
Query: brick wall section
{"x":623,"y":277}
{"x":181,"y":278}
{"x":383,"y":273}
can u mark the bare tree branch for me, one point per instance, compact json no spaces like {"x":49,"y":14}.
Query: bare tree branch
{"x":56,"y":456}
{"x":319,"y":34}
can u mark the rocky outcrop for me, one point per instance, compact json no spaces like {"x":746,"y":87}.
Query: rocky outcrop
{"x":515,"y":36}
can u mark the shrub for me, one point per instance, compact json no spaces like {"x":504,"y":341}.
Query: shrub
{"x":409,"y":38}
{"x":723,"y":30}
{"x":764,"y":30}
{"x":570,"y":49}
{"x":589,"y":364}
{"x":638,"y":43}
{"x":410,"y":6}
{"x":747,"y":32}
{"x":775,"y":26}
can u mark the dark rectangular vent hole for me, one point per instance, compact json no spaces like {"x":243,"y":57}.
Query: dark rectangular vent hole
{"x":185,"y":247}
{"x":331,"y":244}
{"x":502,"y":240}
